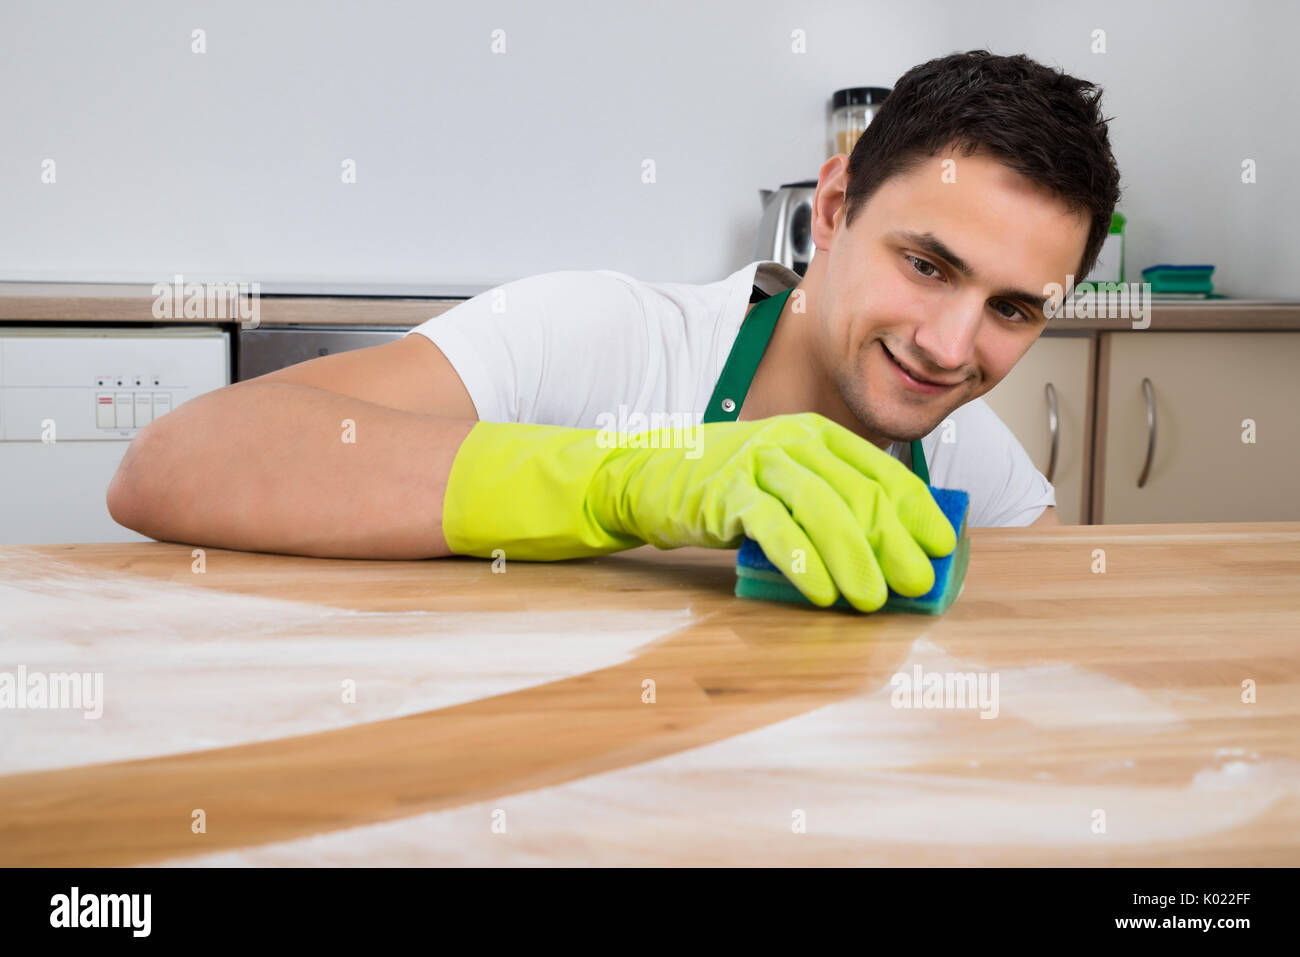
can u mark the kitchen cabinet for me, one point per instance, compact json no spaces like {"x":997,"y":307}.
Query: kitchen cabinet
{"x":1216,"y":413}
{"x":1045,"y":400}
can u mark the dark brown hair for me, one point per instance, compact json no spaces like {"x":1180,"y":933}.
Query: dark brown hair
{"x":1040,"y":122}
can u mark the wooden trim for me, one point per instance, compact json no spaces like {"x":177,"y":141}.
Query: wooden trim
{"x":137,"y":307}
{"x":1211,"y":315}
{"x":1097,"y":514}
{"x":352,"y":312}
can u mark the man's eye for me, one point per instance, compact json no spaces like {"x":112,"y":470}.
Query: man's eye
{"x":1014,"y":311}
{"x":917,"y":263}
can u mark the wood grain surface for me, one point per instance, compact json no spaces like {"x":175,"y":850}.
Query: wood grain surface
{"x":506,"y":717}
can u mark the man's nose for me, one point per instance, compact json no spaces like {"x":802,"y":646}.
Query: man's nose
{"x":948,"y":338}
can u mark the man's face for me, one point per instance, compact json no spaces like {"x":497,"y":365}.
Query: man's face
{"x":889,"y":296}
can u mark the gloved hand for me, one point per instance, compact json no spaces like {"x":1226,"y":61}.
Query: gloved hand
{"x":791,"y":482}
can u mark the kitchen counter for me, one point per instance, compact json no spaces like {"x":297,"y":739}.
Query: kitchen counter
{"x":630,"y":710}
{"x":410,"y":305}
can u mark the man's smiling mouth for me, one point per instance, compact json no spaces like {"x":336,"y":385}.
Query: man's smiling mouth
{"x":914,"y":377}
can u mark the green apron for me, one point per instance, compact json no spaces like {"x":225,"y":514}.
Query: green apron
{"x":746,"y":352}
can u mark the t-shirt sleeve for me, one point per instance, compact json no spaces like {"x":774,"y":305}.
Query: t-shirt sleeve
{"x":557,"y":348}
{"x":978,"y":453}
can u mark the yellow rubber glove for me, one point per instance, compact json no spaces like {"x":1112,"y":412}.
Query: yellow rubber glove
{"x":794,"y":483}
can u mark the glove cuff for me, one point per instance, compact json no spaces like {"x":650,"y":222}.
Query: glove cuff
{"x":537,"y":492}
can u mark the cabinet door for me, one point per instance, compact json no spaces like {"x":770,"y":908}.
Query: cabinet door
{"x":1021,"y":400}
{"x":1204,"y":386}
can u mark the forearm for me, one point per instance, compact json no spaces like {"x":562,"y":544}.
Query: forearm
{"x":273,"y":466}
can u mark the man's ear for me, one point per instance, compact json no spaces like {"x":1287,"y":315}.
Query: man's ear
{"x":828,"y":200}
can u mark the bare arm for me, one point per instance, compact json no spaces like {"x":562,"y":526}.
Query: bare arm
{"x":271,"y":464}
{"x":1049,"y":517}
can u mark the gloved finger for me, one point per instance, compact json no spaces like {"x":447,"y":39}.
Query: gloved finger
{"x":915,"y":507}
{"x":786,"y":545}
{"x":829,"y":523}
{"x":905,"y":565}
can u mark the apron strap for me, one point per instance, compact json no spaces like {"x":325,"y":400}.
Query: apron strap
{"x":746,"y":353}
{"x":918,"y":462}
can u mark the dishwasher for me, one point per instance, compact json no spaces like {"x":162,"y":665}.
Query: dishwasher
{"x":71,"y":400}
{"x":268,"y":348}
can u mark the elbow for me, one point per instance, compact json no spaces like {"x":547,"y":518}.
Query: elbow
{"x":126,"y":497}
{"x":119,"y":501}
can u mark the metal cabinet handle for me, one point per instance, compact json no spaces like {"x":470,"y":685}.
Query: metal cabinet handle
{"x":1149,"y":390}
{"x":1054,"y":427}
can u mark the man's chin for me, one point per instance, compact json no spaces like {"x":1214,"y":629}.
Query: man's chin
{"x":903,"y":428}
{"x":906,"y":437}
{"x":896,"y":417}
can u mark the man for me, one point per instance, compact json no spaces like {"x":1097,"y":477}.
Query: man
{"x":486,"y":431}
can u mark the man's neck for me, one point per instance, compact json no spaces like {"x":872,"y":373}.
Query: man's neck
{"x":791,"y":376}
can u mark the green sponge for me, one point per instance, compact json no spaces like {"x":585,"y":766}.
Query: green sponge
{"x":757,"y":577}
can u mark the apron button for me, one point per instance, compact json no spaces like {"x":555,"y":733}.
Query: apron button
{"x":728,"y":405}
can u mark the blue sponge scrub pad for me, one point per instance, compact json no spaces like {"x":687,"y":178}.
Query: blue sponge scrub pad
{"x":757,"y":577}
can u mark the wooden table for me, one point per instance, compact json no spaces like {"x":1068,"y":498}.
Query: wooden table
{"x":268,"y":709}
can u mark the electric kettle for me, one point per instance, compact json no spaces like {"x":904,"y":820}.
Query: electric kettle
{"x":785,"y":231}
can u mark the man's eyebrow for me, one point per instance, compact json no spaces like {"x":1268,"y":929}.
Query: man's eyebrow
{"x":932,"y":244}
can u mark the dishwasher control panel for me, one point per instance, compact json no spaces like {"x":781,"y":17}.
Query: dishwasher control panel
{"x":130,"y":410}
{"x":107,"y":383}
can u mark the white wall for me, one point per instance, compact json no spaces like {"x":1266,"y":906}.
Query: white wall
{"x":1195,"y":87}
{"x":478,"y":168}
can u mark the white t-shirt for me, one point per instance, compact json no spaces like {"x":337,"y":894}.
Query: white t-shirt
{"x":569,"y":347}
